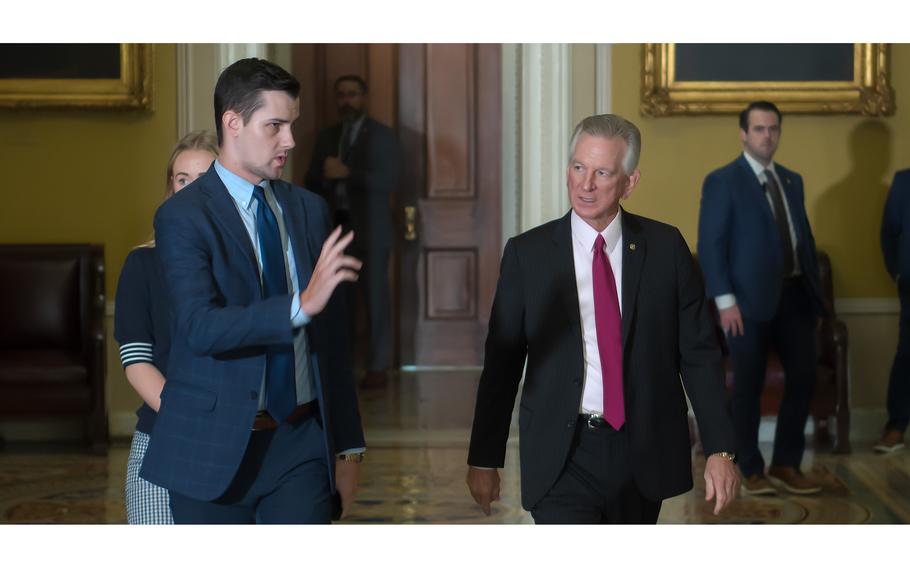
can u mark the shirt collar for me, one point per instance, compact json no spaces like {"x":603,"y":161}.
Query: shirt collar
{"x":757,"y":167}
{"x":240,"y":189}
{"x":585,"y":234}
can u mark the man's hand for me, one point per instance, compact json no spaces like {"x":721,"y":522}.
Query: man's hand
{"x":332,"y":268}
{"x":333,"y":168}
{"x":484,"y":486}
{"x":721,"y":481}
{"x":731,"y":321}
{"x":347,"y":477}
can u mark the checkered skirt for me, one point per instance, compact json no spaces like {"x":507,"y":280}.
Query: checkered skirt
{"x":146,"y":503}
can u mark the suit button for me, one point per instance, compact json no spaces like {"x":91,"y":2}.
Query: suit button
{"x":254,"y":395}
{"x":570,"y":424}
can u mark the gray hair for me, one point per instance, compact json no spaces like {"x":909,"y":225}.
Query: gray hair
{"x":611,"y":126}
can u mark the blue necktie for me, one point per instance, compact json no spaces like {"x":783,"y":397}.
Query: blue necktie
{"x":280,"y":391}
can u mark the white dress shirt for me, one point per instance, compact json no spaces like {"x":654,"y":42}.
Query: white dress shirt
{"x":725,"y":301}
{"x":583,"y":237}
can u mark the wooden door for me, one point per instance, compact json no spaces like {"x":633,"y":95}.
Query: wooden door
{"x":449,"y":116}
{"x":317,"y":66}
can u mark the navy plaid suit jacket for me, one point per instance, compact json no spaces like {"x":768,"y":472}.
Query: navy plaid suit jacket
{"x":221,"y":329}
{"x":738,"y":244}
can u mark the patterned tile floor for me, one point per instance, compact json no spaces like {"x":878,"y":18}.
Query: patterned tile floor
{"x":417,"y":430}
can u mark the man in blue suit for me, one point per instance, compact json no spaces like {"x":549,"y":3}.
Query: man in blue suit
{"x":758,"y":255}
{"x":896,"y":249}
{"x":259,"y":419}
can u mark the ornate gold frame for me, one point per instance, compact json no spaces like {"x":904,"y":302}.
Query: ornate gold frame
{"x":868,"y":93}
{"x":132,"y":90}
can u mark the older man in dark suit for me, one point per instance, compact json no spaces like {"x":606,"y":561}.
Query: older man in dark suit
{"x":608,"y":310}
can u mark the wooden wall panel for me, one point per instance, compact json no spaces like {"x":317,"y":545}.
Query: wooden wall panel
{"x":450,"y":120}
{"x":451,"y":284}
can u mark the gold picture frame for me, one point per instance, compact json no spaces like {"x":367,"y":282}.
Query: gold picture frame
{"x":868,"y":93}
{"x":132,"y":90}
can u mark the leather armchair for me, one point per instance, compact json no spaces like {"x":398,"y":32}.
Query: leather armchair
{"x":52,"y":342}
{"x":831,"y":392}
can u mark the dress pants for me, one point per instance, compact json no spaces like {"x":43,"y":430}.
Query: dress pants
{"x":596,"y":485}
{"x":792,"y":334}
{"x":282,"y":479}
{"x":899,"y":385}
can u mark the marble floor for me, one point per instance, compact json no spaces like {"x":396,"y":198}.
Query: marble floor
{"x":417,"y":430}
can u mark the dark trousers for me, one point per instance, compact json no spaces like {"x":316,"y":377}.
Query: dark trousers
{"x":596,"y":485}
{"x":899,"y":385}
{"x":283,"y":479}
{"x":792,"y":334}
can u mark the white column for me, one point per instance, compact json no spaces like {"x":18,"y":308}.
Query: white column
{"x":197,"y":72}
{"x":546,"y":106}
{"x":511,"y":141}
{"x":198,"y":67}
{"x":231,"y":52}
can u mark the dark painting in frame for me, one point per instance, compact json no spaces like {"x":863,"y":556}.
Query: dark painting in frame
{"x":107,"y":76}
{"x":692,"y":79}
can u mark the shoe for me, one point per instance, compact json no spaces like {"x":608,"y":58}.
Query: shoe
{"x":793,"y":480}
{"x":374,"y":380}
{"x":756,"y":484}
{"x":892,"y":440}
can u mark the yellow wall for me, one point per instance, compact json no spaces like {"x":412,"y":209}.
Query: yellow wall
{"x":88,"y":175}
{"x":847,"y":162}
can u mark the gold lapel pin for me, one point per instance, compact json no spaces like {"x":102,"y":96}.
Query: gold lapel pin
{"x":631,"y":246}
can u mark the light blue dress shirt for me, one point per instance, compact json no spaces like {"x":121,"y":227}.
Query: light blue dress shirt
{"x":241,"y":192}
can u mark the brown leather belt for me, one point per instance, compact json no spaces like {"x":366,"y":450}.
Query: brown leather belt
{"x":264,"y":420}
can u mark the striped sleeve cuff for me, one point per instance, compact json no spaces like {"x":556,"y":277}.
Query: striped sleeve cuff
{"x":135,"y":353}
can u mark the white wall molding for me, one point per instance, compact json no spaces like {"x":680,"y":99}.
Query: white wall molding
{"x":603,"y":60}
{"x":867,"y":306}
{"x":546,"y":107}
{"x":844,"y":306}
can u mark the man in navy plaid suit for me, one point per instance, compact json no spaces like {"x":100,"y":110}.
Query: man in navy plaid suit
{"x":259,"y":420}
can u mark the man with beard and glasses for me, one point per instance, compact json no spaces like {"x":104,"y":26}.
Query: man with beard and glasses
{"x":258,"y":420}
{"x":758,"y":255}
{"x":355,"y":167}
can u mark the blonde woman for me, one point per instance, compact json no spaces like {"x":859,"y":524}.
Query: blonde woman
{"x":142,"y":328}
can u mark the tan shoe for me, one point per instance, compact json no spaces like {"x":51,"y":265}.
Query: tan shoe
{"x":793,"y":480}
{"x":756,"y":484}
{"x":891,"y":441}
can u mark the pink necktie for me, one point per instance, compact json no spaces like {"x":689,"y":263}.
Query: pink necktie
{"x":607,"y":321}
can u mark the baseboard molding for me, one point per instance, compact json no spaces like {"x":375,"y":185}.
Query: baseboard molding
{"x":865,"y":425}
{"x":867,"y":306}
{"x":63,"y":430}
{"x":122,"y":424}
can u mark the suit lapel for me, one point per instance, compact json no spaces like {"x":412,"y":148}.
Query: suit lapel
{"x":565,"y":272}
{"x":295,"y":223}
{"x":225,"y":214}
{"x":633,"y":259}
